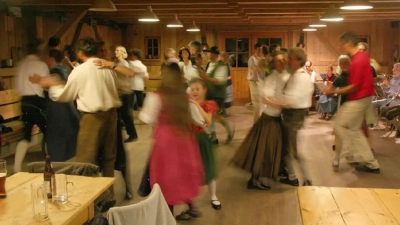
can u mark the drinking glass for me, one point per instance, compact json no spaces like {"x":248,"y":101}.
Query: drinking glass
{"x":60,"y":192}
{"x":3,"y":175}
{"x":39,"y":201}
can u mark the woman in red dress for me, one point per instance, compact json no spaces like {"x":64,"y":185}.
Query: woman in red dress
{"x":175,"y":162}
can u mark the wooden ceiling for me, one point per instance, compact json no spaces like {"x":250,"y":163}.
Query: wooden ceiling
{"x":219,"y":12}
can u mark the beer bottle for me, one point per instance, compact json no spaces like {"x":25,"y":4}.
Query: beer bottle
{"x":48,"y":173}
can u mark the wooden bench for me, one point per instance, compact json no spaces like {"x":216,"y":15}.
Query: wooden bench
{"x":10,"y":110}
{"x":348,"y":206}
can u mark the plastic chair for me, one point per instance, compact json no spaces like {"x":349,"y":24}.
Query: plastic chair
{"x":151,"y":211}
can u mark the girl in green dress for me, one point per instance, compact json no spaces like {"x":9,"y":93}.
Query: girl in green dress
{"x":207,"y":109}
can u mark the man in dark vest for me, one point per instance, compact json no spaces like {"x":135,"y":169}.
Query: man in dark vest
{"x":216,"y":76}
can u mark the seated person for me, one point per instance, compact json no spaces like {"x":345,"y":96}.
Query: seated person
{"x":391,"y":114}
{"x":327,"y":104}
{"x":392,"y":88}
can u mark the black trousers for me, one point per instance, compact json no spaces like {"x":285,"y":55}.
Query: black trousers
{"x":125,"y":113}
{"x":139,"y":99}
{"x":33,"y":110}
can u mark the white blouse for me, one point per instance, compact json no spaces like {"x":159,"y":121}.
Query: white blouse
{"x":152,"y":106}
{"x":189,"y":72}
{"x":272,"y":87}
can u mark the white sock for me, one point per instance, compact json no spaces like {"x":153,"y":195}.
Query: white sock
{"x":212,"y":187}
{"x":20,"y":152}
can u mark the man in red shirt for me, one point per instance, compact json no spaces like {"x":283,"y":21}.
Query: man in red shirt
{"x":351,"y":114}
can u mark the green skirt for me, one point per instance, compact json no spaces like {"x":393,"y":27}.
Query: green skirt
{"x":207,"y":154}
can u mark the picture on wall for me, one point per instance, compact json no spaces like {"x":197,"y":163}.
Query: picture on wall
{"x":365,"y":39}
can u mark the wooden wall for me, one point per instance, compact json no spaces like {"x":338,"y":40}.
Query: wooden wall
{"x":14,"y":33}
{"x":323,"y":48}
{"x":170,"y":38}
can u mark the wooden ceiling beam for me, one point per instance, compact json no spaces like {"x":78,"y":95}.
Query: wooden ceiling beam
{"x":186,"y":2}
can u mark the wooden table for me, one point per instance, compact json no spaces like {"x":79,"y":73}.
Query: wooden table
{"x":16,"y":208}
{"x":358,"y":206}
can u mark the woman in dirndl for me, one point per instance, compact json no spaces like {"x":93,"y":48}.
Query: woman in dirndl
{"x":260,"y":153}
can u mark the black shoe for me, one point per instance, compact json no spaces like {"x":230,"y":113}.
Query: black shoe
{"x":294,"y":182}
{"x":215,"y":206}
{"x":366,"y":169}
{"x":215,"y":141}
{"x":131,"y":139}
{"x":107,"y":205}
{"x":251,"y":185}
{"x":307,"y":183}
{"x":266,"y":186}
{"x":284,"y":173}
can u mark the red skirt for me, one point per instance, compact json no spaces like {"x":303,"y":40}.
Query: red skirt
{"x":175,"y":164}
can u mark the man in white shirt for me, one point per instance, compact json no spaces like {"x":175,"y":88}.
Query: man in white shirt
{"x":216,"y":76}
{"x":255,"y":75}
{"x":97,"y":98}
{"x":134,"y":57}
{"x":33,"y":102}
{"x":297,"y":97}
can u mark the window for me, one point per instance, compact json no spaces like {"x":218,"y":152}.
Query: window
{"x":238,"y":50}
{"x":270,"y":41}
{"x":152,"y":47}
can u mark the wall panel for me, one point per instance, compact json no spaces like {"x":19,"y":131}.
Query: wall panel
{"x":14,"y":33}
{"x":381,"y":43}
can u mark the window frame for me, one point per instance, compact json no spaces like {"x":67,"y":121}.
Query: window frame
{"x":152,"y":47}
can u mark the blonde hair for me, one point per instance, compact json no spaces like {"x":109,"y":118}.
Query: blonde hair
{"x":123,"y":49}
{"x":300,"y":55}
{"x":341,"y":59}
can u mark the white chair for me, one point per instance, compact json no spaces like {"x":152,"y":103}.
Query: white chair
{"x":151,"y":211}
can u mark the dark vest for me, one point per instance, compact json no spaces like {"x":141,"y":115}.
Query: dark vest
{"x":215,"y":91}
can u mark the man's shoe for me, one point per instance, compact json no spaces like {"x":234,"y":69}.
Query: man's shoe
{"x":131,"y":139}
{"x":294,"y":182}
{"x":307,"y":183}
{"x":366,"y":169}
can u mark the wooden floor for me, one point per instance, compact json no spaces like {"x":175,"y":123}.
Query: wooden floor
{"x":278,"y":206}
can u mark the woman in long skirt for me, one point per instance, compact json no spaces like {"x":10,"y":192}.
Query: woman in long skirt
{"x":261,"y":151}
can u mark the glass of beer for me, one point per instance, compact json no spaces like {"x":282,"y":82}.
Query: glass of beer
{"x":3,"y":175}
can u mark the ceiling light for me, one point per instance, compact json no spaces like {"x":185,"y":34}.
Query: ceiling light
{"x":356,"y":5}
{"x":193,"y":28}
{"x":175,"y":22}
{"x":148,"y":16}
{"x":103,"y":6}
{"x":317,"y":22}
{"x":332,"y":15}
{"x":309,"y":29}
